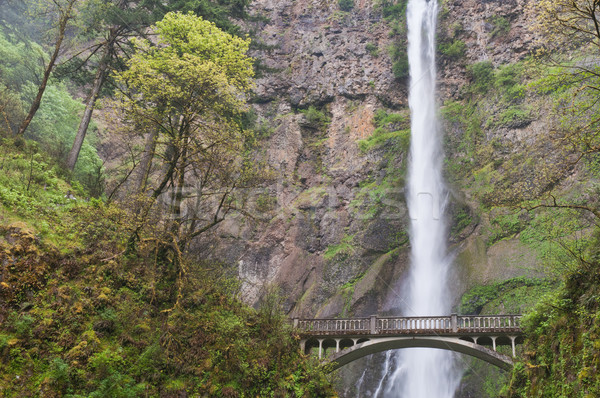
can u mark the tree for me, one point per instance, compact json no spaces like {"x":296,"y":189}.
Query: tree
{"x":190,"y":90}
{"x":117,"y":20}
{"x":575,"y":23}
{"x":575,"y":26}
{"x":111,"y":24}
{"x":569,"y":50}
{"x":64,"y":12}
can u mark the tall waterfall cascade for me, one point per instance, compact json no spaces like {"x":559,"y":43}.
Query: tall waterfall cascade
{"x":420,"y":372}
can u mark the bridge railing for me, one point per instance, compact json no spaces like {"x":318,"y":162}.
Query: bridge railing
{"x":489,"y":323}
{"x":439,"y":324}
{"x":330,"y":326}
{"x":410,"y":325}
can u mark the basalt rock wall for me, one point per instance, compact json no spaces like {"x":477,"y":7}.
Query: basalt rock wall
{"x":332,"y":226}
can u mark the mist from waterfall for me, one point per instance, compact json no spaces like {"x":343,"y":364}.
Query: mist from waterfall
{"x":420,"y":372}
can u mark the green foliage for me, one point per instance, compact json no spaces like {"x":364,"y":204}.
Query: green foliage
{"x":573,"y":99}
{"x":400,"y":67}
{"x":394,"y":12}
{"x":57,"y":119}
{"x":372,"y":49}
{"x":391,"y":128}
{"x":383,"y":119}
{"x":18,"y":61}
{"x":346,"y":5}
{"x":504,"y":82}
{"x":200,"y":77}
{"x":501,"y":26}
{"x":392,"y":9}
{"x":100,"y":324}
{"x":340,"y":251}
{"x":32,"y":190}
{"x":466,"y":117}
{"x":562,"y":345}
{"x":58,"y":373}
{"x":505,"y":224}
{"x":316,"y":118}
{"x":266,"y":202}
{"x":482,"y":76}
{"x":400,"y":139}
{"x":461,"y":219}
{"x":512,"y":296}
{"x":513,"y":117}
{"x":454,"y":50}
{"x":223,"y":13}
{"x":495,"y":98}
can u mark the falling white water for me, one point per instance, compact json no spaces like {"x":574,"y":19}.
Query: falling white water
{"x":384,"y":375}
{"x":425,"y":373}
{"x":360,"y":382}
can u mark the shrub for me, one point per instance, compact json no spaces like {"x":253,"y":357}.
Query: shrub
{"x":315,"y":118}
{"x":482,"y":74}
{"x":346,"y":5}
{"x":372,"y":49}
{"x":515,"y":117}
{"x":455,"y":50}
{"x":501,"y":25}
{"x":401,"y":68}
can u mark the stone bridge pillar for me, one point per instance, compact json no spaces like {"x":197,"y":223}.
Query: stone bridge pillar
{"x":320,"y":348}
{"x":512,"y":342}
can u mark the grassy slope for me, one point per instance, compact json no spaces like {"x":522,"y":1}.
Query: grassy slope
{"x":79,"y":319}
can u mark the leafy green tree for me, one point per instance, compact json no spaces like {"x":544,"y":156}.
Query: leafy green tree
{"x":573,"y":25}
{"x":570,"y":45}
{"x":114,"y":22}
{"x":190,"y":89}
{"x":223,"y":13}
{"x":62,"y":12}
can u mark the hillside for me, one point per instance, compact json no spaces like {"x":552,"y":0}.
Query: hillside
{"x":81,"y":318}
{"x":252,"y":166}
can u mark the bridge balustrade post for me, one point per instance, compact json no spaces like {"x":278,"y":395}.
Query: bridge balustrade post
{"x":373,"y":324}
{"x":295,"y":322}
{"x":454,"y":323}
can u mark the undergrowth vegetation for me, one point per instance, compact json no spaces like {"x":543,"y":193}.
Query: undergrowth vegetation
{"x":562,"y":348}
{"x":58,"y":117}
{"x":79,"y":317}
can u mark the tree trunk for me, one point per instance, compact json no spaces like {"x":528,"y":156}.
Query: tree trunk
{"x":146,"y":162}
{"x":178,"y":197}
{"x":89,"y":107}
{"x":62,"y":27}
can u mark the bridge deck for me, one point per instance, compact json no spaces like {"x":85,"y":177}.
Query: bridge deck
{"x":353,"y":338}
{"x":453,"y":325}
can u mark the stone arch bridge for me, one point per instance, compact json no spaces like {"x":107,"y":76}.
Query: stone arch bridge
{"x":353,"y":338}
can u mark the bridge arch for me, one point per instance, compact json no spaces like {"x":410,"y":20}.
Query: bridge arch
{"x":380,"y":344}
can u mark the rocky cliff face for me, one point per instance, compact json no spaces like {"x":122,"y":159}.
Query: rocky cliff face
{"x":317,"y":100}
{"x":333,"y":228}
{"x":333,"y":117}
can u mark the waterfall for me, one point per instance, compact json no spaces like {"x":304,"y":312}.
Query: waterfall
{"x":425,"y":373}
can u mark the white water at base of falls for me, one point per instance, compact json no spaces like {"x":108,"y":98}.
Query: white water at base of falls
{"x":422,"y":372}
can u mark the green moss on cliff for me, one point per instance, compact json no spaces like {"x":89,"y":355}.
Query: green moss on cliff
{"x":562,"y":346}
{"x":512,"y":296}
